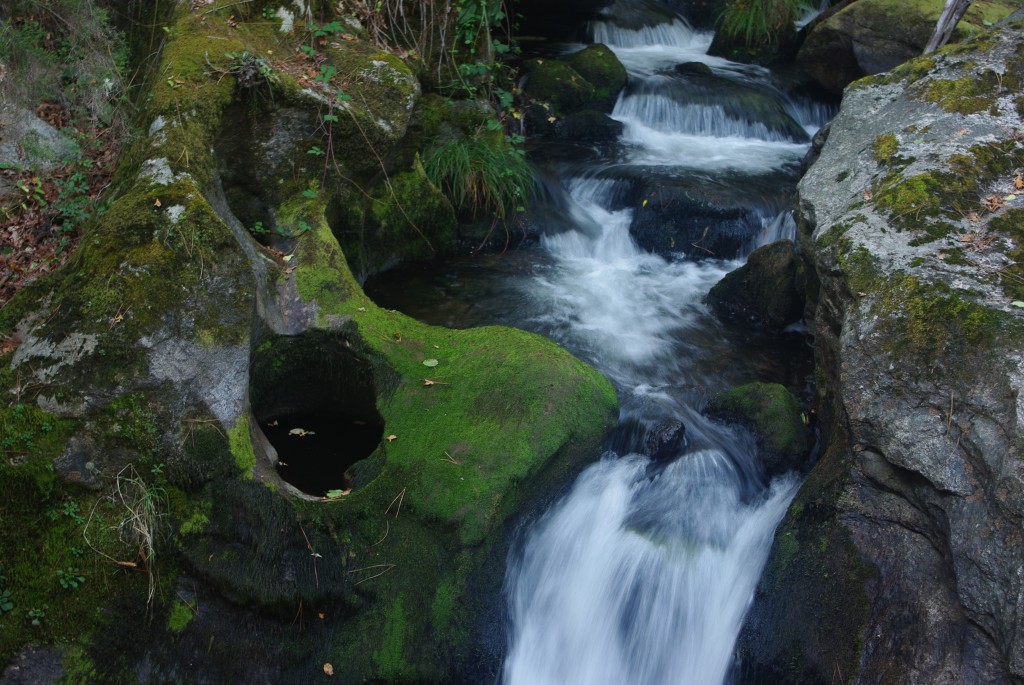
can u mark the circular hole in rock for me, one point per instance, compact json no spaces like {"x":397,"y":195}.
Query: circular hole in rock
{"x":317,"y":451}
{"x":314,"y":398}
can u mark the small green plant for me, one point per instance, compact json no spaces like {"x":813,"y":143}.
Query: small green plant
{"x":259,"y":229}
{"x":268,"y":12}
{"x":6,"y":603}
{"x":69,"y":578}
{"x":249,"y":70}
{"x":482,"y":173}
{"x":36,"y":615}
{"x":73,"y":201}
{"x":758,"y":22}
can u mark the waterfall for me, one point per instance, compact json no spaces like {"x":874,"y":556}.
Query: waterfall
{"x":642,"y":574}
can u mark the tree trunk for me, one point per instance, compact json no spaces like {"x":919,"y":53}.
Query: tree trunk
{"x":950,"y":17}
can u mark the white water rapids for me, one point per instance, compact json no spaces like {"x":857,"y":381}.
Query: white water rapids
{"x":642,"y":574}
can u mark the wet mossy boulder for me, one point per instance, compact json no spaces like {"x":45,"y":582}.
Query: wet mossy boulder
{"x":868,"y":37}
{"x":557,"y":84}
{"x":603,"y":70}
{"x":773,"y":414}
{"x":766,"y":291}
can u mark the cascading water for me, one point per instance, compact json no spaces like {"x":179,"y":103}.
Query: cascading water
{"x":642,"y":574}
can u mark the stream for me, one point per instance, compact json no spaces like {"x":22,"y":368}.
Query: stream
{"x":642,"y":573}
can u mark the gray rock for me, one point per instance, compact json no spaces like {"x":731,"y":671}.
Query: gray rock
{"x":900,"y":558}
{"x":28,"y":141}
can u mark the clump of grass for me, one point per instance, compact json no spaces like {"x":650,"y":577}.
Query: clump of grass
{"x":481,"y":173}
{"x":759,"y":22}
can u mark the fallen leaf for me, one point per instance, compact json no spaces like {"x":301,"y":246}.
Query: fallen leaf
{"x":337,"y":492}
{"x":301,"y":432}
{"x":361,"y":309}
{"x":552,"y":119}
{"x":860,"y":294}
{"x":273,"y":423}
{"x":1018,"y":182}
{"x":993,"y":203}
{"x":968,"y":237}
{"x":320,"y":615}
{"x":391,"y":438}
{"x":427,"y":381}
{"x":644,"y":203}
{"x":398,"y":337}
{"x":156,"y":202}
{"x":1018,"y":303}
{"x":868,"y":195}
{"x":941,"y":255}
{"x":430,"y":362}
{"x":973,"y":217}
{"x":328,"y":669}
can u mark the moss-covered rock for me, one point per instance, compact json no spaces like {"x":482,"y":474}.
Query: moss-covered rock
{"x":774,"y":416}
{"x":156,"y":350}
{"x":603,"y":70}
{"x":557,"y":84}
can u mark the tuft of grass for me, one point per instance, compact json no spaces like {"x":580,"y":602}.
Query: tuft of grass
{"x":758,"y":22}
{"x":481,"y":174}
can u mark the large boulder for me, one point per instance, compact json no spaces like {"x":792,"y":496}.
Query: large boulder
{"x":899,"y":559}
{"x":766,"y":291}
{"x":603,"y":70}
{"x":868,"y":37}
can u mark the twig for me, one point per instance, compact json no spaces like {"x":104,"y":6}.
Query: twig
{"x":309,"y":547}
{"x":949,"y":418}
{"x":387,"y":529}
{"x":400,"y":497}
{"x":449,"y":457}
{"x":224,"y":7}
{"x":386,"y":567}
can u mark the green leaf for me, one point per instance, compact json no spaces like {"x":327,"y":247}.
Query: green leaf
{"x":331,"y":117}
{"x":430,"y":362}
{"x":1018,"y":303}
{"x":335,"y":494}
{"x":309,"y":193}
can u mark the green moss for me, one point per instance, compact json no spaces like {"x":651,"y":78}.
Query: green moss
{"x":443,"y":607}
{"x":885,"y":147}
{"x":967,"y":95}
{"x":555,"y":82}
{"x":602,"y":69}
{"x":180,"y":616}
{"x":1010,"y":223}
{"x":771,"y":410}
{"x":932,"y":322}
{"x":391,"y":663}
{"x":241,"y":446}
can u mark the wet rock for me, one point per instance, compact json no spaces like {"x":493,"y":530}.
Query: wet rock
{"x":765,"y":291}
{"x":588,"y":126}
{"x":694,"y":69}
{"x":35,"y":665}
{"x":774,"y":416}
{"x":665,"y":440}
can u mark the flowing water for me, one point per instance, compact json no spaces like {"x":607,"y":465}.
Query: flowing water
{"x":643,"y":572}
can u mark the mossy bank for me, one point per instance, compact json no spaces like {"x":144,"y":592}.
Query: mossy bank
{"x":215,"y":294}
